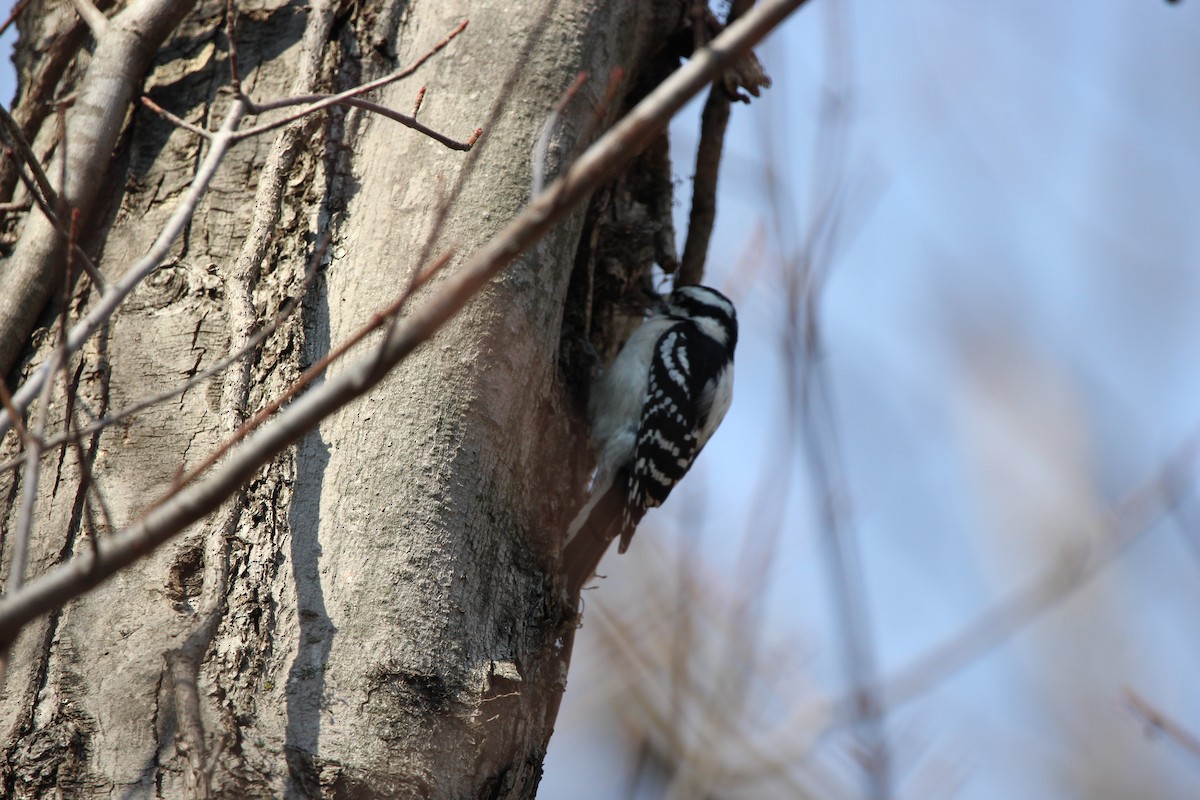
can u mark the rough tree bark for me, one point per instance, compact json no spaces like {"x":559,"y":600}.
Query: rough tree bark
{"x":375,"y":614}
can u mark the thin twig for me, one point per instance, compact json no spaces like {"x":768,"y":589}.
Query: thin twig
{"x":89,"y":486}
{"x":37,"y":97}
{"x":318,"y":102}
{"x":18,"y":423}
{"x":16,"y":12}
{"x":29,"y":487}
{"x":595,"y":123}
{"x":1158,"y":721}
{"x":16,"y":139}
{"x":47,"y":205}
{"x":90,"y":483}
{"x":326,"y":101}
{"x":235,"y":79}
{"x":600,"y":110}
{"x":411,"y":122}
{"x":599,"y":163}
{"x":175,"y":120}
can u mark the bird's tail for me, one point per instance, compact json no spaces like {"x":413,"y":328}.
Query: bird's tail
{"x":600,"y":521}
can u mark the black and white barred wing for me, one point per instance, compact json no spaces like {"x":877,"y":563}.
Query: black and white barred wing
{"x":669,"y":434}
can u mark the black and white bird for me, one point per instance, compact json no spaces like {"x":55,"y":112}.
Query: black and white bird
{"x":653,"y":410}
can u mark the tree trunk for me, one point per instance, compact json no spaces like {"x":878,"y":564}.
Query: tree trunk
{"x":376,"y":614}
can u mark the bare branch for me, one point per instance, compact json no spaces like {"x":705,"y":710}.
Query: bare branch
{"x":1136,"y":513}
{"x":713,"y":122}
{"x":235,"y":78}
{"x":319,"y":102}
{"x":13,"y":135}
{"x":91,"y":486}
{"x":1158,"y":721}
{"x":19,"y":205}
{"x":12,"y":17}
{"x":601,"y":161}
{"x":411,"y":122}
{"x":177,"y":121}
{"x":29,"y":486}
{"x":91,"y":15}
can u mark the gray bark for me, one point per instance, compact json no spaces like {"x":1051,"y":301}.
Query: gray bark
{"x":376,"y":615}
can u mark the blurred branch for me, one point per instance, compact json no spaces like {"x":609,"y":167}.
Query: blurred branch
{"x":1135,"y":514}
{"x":702,"y":732}
{"x":866,"y":706}
{"x":713,"y":122}
{"x":819,"y":429}
{"x":29,"y":483}
{"x":542,"y":148}
{"x":12,"y":16}
{"x":1160,"y":722}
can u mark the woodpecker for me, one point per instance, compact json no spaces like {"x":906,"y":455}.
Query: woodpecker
{"x":655,"y":407}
